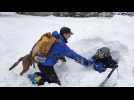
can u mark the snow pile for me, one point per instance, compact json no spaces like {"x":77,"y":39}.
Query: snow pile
{"x":18,"y":34}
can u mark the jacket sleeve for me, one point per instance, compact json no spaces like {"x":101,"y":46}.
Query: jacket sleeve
{"x":73,"y":55}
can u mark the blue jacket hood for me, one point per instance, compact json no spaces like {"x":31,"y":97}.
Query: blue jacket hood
{"x":59,"y":36}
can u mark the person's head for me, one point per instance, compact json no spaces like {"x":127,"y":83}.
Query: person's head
{"x":66,"y":32}
{"x":103,"y":52}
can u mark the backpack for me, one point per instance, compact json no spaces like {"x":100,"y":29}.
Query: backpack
{"x":43,"y":45}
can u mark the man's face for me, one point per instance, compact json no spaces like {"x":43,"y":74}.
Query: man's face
{"x":67,"y":35}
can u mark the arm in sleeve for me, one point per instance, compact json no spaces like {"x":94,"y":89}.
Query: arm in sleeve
{"x":73,"y":55}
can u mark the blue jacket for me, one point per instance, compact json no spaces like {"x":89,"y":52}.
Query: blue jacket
{"x":60,"y":37}
{"x":61,"y":49}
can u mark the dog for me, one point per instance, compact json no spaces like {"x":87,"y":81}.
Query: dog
{"x":27,"y":61}
{"x":41,"y":47}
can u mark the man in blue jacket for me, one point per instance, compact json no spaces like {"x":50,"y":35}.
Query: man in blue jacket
{"x":58,"y":51}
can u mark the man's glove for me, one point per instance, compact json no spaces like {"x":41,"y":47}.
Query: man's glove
{"x":90,"y":62}
{"x":115,"y":66}
{"x":112,"y":66}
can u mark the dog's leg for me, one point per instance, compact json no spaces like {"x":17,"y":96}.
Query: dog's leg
{"x":26,"y":63}
{"x":25,"y":69}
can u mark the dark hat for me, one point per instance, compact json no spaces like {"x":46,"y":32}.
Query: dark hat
{"x":103,"y":52}
{"x":65,"y":30}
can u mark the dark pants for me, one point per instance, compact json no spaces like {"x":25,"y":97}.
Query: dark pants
{"x":49,"y":74}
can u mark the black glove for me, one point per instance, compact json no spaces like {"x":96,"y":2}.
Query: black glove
{"x":112,"y":66}
{"x":115,"y":66}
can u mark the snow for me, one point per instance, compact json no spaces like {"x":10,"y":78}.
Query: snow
{"x":18,"y":34}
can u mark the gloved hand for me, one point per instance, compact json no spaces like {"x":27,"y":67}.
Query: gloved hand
{"x":91,"y":62}
{"x":112,"y":66}
{"x":115,"y":66}
{"x":99,"y":67}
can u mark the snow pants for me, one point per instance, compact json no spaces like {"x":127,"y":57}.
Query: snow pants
{"x":50,"y":75}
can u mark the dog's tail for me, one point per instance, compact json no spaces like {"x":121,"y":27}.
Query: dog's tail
{"x":16,"y":63}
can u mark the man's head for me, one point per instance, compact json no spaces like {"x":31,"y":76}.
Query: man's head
{"x":103,"y":52}
{"x":66,"y":32}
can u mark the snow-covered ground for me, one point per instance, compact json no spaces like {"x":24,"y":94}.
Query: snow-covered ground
{"x":19,"y":33}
